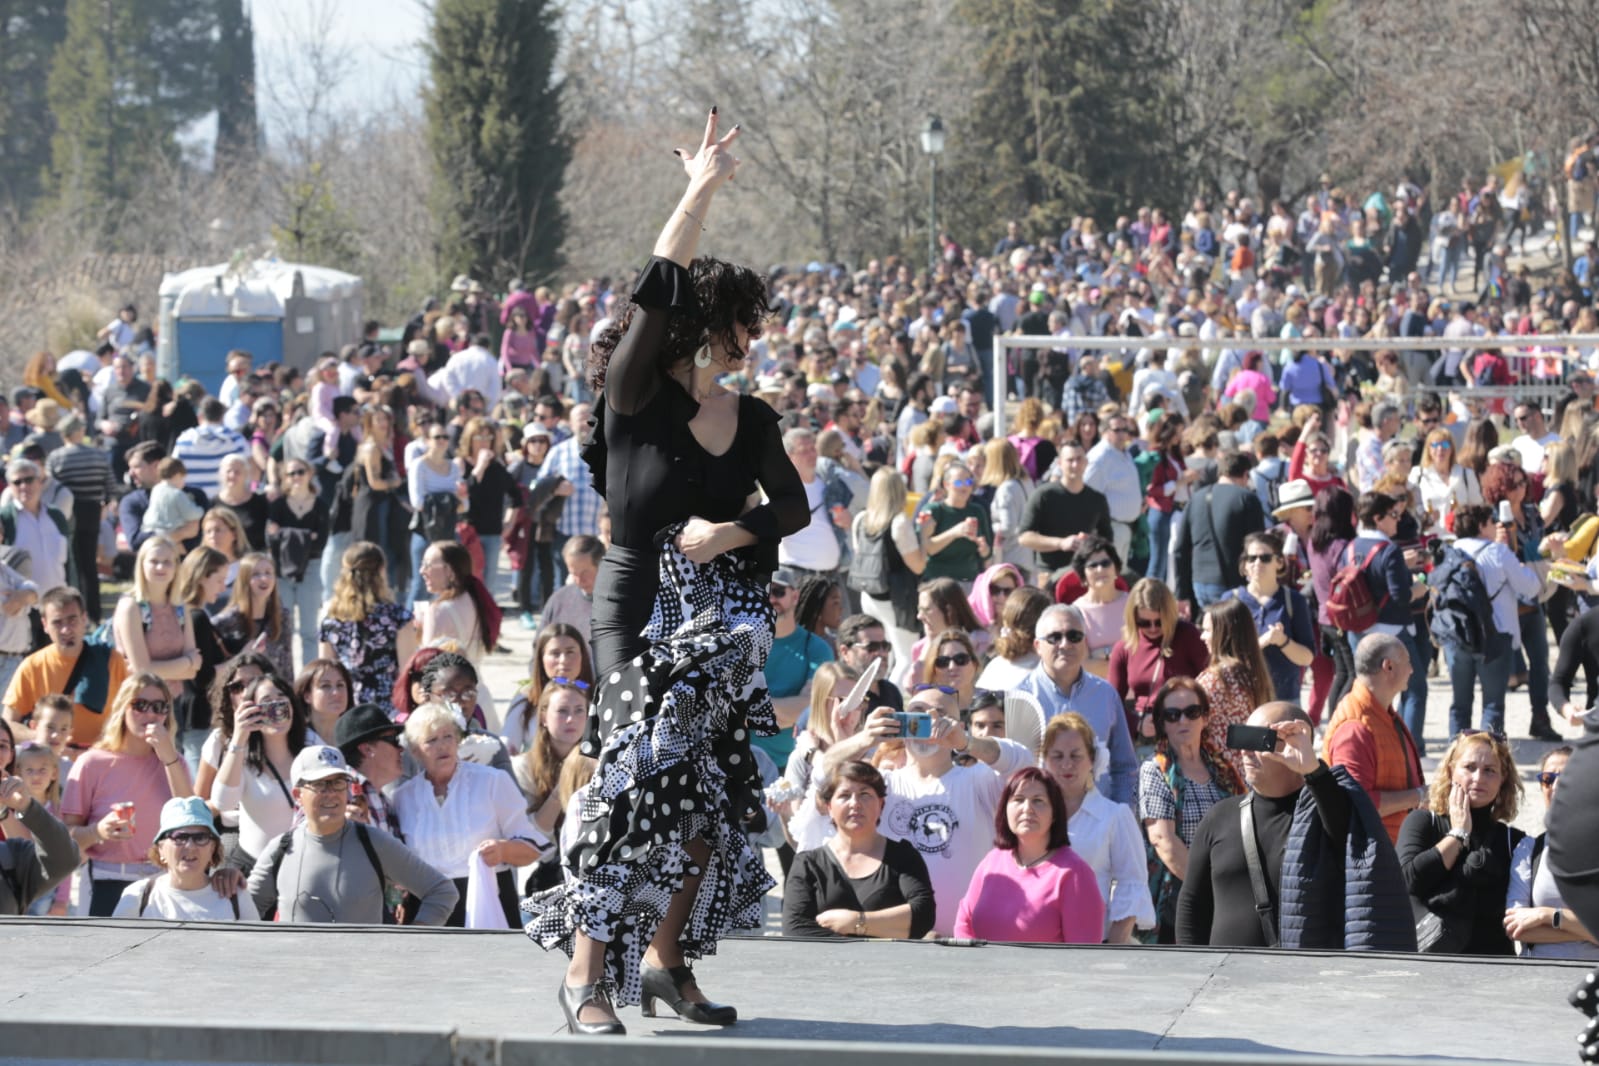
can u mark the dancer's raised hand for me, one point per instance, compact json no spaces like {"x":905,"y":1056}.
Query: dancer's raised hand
{"x":713,"y":163}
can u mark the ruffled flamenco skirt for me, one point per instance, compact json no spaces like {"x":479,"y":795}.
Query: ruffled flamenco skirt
{"x":670,"y":730}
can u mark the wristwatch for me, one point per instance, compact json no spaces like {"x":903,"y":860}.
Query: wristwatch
{"x":1460,"y":835}
{"x":860,"y":923}
{"x":1554,"y":919}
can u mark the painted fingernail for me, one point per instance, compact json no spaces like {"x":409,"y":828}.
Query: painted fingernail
{"x":736,"y":125}
{"x":713,"y":109}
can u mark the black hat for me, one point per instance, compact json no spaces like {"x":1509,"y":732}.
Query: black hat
{"x":364,"y":721}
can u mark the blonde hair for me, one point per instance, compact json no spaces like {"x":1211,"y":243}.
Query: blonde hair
{"x":141,"y":587}
{"x":362,"y":584}
{"x":577,"y":770}
{"x":475,"y":425}
{"x":1001,"y":463}
{"x":824,"y":686}
{"x":1510,"y":788}
{"x":243,"y":599}
{"x":241,"y":540}
{"x":885,"y":498}
{"x":114,"y":733}
{"x":1149,"y":594}
{"x":1072,"y":722}
{"x":427,"y":718}
{"x":1562,"y":463}
{"x":38,"y":749}
{"x":192,"y":572}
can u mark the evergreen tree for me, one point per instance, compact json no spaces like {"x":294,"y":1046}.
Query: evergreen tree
{"x":237,"y":130}
{"x":499,"y":147}
{"x":30,"y":30}
{"x":1075,"y":116}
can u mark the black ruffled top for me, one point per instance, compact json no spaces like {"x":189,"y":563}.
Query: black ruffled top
{"x":647,"y":464}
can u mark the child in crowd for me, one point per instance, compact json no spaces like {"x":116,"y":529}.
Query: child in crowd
{"x":40,"y":770}
{"x":52,"y":725}
{"x":170,"y":507}
{"x":325,"y":390}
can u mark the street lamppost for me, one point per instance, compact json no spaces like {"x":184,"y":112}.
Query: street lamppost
{"x":933,"y":146}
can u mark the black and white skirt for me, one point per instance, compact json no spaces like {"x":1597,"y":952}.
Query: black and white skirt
{"x":671,"y":731}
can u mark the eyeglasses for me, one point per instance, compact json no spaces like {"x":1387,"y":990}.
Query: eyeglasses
{"x":1265,"y":558}
{"x":1548,"y":777}
{"x":875,"y":647}
{"x":948,"y":690}
{"x":1193,"y":712}
{"x":148,"y":706}
{"x":944,"y":662}
{"x":1149,"y":623}
{"x":277,"y":710}
{"x":1070,"y":636}
{"x":467,"y":697}
{"x":24,"y":480}
{"x":1098,"y":564}
{"x":190,"y":840}
{"x":575,"y":682}
{"x":1523,"y":418}
{"x":1440,"y":446}
{"x":327,"y":784}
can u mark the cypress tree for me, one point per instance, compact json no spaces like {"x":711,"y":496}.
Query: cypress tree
{"x":499,"y":147}
{"x":30,"y":31}
{"x":237,"y":130}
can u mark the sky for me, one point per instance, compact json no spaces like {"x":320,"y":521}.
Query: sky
{"x":379,"y":36}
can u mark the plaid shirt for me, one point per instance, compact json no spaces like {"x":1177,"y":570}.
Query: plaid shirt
{"x":1082,"y":393}
{"x":581,"y":514}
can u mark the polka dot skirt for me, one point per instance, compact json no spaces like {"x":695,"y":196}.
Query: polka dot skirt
{"x":671,"y":732}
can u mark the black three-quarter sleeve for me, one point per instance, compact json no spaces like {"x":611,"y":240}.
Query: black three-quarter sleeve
{"x":632,"y":375}
{"x":785,"y":510}
{"x":1419,"y":860}
{"x":915,"y":884}
{"x":804,"y":894}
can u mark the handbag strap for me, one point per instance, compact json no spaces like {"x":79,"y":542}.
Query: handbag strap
{"x":1257,"y":872}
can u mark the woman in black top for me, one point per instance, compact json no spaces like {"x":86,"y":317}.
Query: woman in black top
{"x":490,"y":490}
{"x":859,"y":883}
{"x":678,"y":460}
{"x":1456,"y":851}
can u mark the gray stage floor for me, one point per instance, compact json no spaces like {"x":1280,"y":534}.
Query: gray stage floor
{"x":400,"y":995}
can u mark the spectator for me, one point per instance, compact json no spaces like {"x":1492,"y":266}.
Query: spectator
{"x":1105,"y":832}
{"x":297,"y":535}
{"x":941,"y":808}
{"x":1112,"y":472}
{"x":155,"y":633}
{"x":220,"y":529}
{"x":454,"y":809}
{"x":883,"y":532}
{"x":581,"y":512}
{"x":1505,"y":578}
{"x":1061,"y":515}
{"x":491,"y":491}
{"x":202,"y":449}
{"x":1296,"y":807}
{"x":862,"y":641}
{"x":952,"y":664}
{"x":323,"y":689}
{"x":1210,"y":547}
{"x":266,"y":732}
{"x":790,"y":666}
{"x":958,"y":540}
{"x":1444,"y":485}
{"x":18,"y":595}
{"x":1104,"y":604}
{"x":312,"y":875}
{"x":57,"y":668}
{"x":370,"y":742}
{"x":1032,"y":887}
{"x":815,"y":548}
{"x":1281,"y":615}
{"x":1014,"y":656}
{"x":134,"y":764}
{"x":573,"y":603}
{"x":1169,"y":480}
{"x":1388,"y":576}
{"x":188,"y":850}
{"x":256,"y":615}
{"x":559,"y":650}
{"x":36,"y":863}
{"x":1370,"y":741}
{"x":1332,"y":530}
{"x":27,"y":524}
{"x":870,"y":885}
{"x":1457,"y":851}
{"x":473,"y":368}
{"x":86,"y":472}
{"x":1155,"y":646}
{"x":234,"y":493}
{"x":829,"y":719}
{"x":199,"y":582}
{"x":364,"y":628}
{"x":1184,"y":778}
{"x":541,"y":503}
{"x":1059,"y":684}
{"x":1236,"y":681}
{"x":562,"y":716}
{"x":1003,"y":473}
{"x":1536,"y":917}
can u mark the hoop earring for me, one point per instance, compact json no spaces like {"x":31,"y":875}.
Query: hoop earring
{"x":702,"y":358}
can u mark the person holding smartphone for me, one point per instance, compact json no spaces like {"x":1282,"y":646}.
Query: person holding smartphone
{"x":269,"y":730}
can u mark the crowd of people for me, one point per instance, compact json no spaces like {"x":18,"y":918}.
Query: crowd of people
{"x":1219,"y":575}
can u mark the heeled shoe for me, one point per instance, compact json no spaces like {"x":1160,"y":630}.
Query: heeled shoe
{"x":572,"y":1001}
{"x":668,"y":985}
{"x":1585,"y":997}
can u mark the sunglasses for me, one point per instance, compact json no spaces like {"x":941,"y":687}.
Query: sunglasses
{"x":944,"y":662}
{"x":575,"y":682}
{"x":26,"y":480}
{"x":191,"y":840}
{"x":1149,"y":623}
{"x":149,"y":706}
{"x":875,"y":647}
{"x":1548,"y":777}
{"x":438,"y":436}
{"x":962,"y":483}
{"x":1001,"y":590}
{"x":1070,"y":636}
{"x":777,"y":590}
{"x":1440,"y":446}
{"x":948,"y":690}
{"x":1268,"y":558}
{"x":1193,"y":712}
{"x":1098,"y":564}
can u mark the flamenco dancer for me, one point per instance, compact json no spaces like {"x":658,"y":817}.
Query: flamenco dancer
{"x":1573,"y":858}
{"x":681,"y":630}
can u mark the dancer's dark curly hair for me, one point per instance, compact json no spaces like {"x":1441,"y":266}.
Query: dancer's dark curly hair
{"x":724,"y":294}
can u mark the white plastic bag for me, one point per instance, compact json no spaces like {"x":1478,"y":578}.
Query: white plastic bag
{"x":483,"y":910}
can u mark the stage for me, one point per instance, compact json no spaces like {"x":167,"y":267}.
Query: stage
{"x":83,"y":990}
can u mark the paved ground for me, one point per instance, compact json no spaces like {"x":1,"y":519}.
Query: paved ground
{"x":267,"y":977}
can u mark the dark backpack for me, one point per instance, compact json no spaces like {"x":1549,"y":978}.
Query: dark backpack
{"x":869,"y":570}
{"x":286,"y":843}
{"x":1351,"y":606}
{"x":436,"y":520}
{"x":1462,"y":609}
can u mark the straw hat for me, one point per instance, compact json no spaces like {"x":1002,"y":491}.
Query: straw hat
{"x":45,"y":414}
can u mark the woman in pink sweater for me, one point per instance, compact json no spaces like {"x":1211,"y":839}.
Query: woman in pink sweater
{"x":1032,"y":887}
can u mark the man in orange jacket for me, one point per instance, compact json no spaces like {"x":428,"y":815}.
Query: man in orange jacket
{"x":1369,"y":740}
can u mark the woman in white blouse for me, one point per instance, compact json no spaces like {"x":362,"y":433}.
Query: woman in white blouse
{"x":1102,"y":831}
{"x":454,"y":808}
{"x":253,"y":778}
{"x":1443,"y":483}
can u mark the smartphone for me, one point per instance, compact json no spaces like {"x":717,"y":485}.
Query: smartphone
{"x":1251,"y":738}
{"x":914,"y":726}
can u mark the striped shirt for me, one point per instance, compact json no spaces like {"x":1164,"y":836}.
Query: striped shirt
{"x":202,"y":449}
{"x":85,"y":471}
